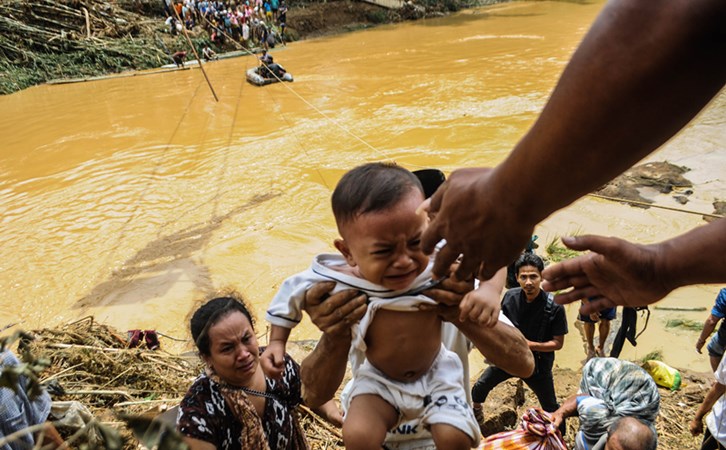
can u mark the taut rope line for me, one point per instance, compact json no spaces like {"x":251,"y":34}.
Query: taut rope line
{"x":313,"y":107}
{"x":653,"y":205}
{"x":317,"y":170}
{"x":149,"y":183}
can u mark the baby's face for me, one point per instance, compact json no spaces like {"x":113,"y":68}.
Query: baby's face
{"x":385,"y":246}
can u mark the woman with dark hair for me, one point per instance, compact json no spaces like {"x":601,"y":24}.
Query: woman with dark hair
{"x":232,"y":405}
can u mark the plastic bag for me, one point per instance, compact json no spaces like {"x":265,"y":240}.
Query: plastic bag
{"x":663,"y":374}
{"x":536,"y":432}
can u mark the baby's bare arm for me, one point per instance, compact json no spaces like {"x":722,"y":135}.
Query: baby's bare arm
{"x":482,"y":305}
{"x":273,"y":358}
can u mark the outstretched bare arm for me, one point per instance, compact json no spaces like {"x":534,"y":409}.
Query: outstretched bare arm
{"x":626,"y":274}
{"x":641,"y":73}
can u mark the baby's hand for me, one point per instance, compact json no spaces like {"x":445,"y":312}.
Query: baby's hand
{"x":273,"y":359}
{"x":481,"y":306}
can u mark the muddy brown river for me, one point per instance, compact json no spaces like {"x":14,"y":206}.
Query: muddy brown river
{"x":132,"y":198}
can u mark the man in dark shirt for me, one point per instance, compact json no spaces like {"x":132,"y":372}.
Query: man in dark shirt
{"x":542,"y":322}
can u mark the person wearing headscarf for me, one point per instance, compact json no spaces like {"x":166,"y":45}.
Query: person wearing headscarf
{"x":610,"y":391}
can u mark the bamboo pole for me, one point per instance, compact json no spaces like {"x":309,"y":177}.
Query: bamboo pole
{"x":194,"y":50}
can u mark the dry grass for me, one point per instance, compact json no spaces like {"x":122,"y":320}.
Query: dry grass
{"x":91,"y":363}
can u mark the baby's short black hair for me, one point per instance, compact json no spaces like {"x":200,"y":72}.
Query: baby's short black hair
{"x":371,"y":187}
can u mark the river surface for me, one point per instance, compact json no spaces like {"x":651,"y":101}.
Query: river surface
{"x":131,"y":199}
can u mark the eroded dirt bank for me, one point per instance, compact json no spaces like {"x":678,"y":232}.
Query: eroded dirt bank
{"x":46,"y":40}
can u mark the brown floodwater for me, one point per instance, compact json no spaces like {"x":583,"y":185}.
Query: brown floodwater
{"x":131,"y":198}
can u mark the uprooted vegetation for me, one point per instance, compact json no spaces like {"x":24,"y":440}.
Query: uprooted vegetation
{"x":123,"y":388}
{"x":44,"y":39}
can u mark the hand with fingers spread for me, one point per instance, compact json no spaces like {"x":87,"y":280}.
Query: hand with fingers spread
{"x":468,"y":212}
{"x":615,"y":272}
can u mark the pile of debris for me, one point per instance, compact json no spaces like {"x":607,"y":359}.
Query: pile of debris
{"x":124,"y":388}
{"x":46,"y":39}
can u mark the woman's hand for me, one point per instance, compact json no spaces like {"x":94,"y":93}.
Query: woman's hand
{"x":334,"y":314}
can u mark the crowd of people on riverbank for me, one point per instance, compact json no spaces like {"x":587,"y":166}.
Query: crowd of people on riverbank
{"x":250,"y":23}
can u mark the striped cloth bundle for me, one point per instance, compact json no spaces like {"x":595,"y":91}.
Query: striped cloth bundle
{"x":537,"y":432}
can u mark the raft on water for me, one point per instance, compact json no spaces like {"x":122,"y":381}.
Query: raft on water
{"x":255,"y":78}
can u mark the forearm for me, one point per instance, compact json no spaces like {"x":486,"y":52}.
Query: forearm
{"x":641,"y":73}
{"x":503,"y":345}
{"x":323,"y":370}
{"x":713,"y":394}
{"x":549,"y":346}
{"x":708,"y":326}
{"x":568,"y":408}
{"x":278,"y":333}
{"x":695,"y":257}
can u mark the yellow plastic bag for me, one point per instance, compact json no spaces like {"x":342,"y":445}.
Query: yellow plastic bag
{"x":663,"y":374}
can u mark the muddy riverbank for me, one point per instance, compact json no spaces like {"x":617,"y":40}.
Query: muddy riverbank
{"x":50,"y":40}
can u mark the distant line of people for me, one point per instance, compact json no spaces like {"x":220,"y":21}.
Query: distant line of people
{"x":249,"y":22}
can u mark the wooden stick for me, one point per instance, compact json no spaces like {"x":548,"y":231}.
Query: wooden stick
{"x":89,"y":347}
{"x":88,"y":22}
{"x":99,"y":392}
{"x":143,"y":402}
{"x":56,"y":375}
{"x":321,"y":422}
{"x":680,"y":308}
{"x":194,"y":50}
{"x":20,"y":433}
